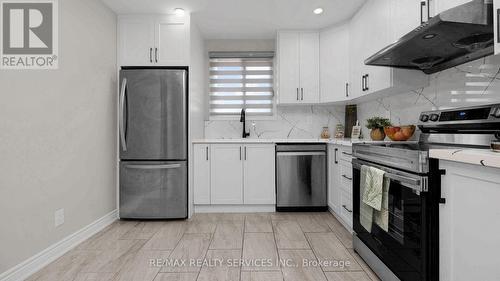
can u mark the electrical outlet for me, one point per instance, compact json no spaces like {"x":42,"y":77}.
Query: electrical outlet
{"x":59,"y":217}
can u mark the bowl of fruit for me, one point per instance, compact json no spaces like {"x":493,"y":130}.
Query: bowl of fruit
{"x":401,"y":133}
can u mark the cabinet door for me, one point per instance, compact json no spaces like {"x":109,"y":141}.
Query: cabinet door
{"x":357,"y":37}
{"x":378,"y":30}
{"x":309,"y":67}
{"x":258,"y":168}
{"x":136,"y":41}
{"x":333,"y":179}
{"x":408,"y":14}
{"x":201,"y":173}
{"x":226,"y":174}
{"x":334,"y":64}
{"x":469,"y":223}
{"x":496,"y":26}
{"x":171,"y":47}
{"x":288,"y":67}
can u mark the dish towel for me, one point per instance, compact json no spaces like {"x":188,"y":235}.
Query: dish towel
{"x":381,"y":217}
{"x":374,"y":191}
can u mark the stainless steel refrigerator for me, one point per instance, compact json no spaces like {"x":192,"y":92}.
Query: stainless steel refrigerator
{"x":153,"y":143}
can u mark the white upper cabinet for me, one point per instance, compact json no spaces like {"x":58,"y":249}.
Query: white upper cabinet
{"x":408,"y":14}
{"x":309,"y":67}
{"x":334,"y":64}
{"x":136,"y":43}
{"x":496,"y":9}
{"x":298,"y":67}
{"x":288,"y":67}
{"x":153,"y":40}
{"x":172,"y":41}
{"x":374,"y":27}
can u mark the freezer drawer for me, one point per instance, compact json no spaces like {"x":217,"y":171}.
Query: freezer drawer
{"x":153,"y":190}
{"x":301,"y":179}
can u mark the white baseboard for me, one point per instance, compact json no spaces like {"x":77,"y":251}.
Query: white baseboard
{"x":38,"y":261}
{"x":234,"y":209}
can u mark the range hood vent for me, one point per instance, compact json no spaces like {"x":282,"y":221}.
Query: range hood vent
{"x":455,"y":36}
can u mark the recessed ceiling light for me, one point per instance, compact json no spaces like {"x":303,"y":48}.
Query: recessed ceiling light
{"x":179,"y":11}
{"x":318,"y":11}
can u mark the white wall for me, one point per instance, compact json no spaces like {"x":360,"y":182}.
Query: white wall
{"x":58,"y":136}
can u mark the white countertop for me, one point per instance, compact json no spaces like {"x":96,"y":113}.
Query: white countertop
{"x":483,"y":157}
{"x":346,"y":141}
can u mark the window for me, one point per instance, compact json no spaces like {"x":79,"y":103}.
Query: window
{"x":241,"y":80}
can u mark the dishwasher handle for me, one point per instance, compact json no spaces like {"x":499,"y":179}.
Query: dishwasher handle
{"x":301,"y":153}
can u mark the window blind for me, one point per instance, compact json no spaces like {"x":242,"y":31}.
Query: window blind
{"x":241,"y":81}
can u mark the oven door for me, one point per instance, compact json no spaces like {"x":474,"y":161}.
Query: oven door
{"x":401,"y":248}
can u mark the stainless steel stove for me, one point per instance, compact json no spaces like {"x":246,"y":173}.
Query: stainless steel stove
{"x":409,"y":249}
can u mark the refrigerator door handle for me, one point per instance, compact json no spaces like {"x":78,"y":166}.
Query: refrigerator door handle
{"x":153,"y":167}
{"x":122,"y":112}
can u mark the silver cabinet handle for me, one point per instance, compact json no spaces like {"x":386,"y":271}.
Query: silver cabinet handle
{"x":336,"y":161}
{"x":345,"y":207}
{"x":346,"y":177}
{"x":122,"y":112}
{"x":151,"y":55}
{"x":297,"y":93}
{"x":367,"y":82}
{"x":347,"y":89}
{"x":207,"y":153}
{"x":245,"y":153}
{"x":154,"y":167}
{"x":156,"y":54}
{"x":301,"y":93}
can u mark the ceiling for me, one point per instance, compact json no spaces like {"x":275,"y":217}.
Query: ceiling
{"x":247,"y":19}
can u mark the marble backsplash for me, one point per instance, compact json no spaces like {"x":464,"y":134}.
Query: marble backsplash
{"x":474,"y":83}
{"x":294,"y":122}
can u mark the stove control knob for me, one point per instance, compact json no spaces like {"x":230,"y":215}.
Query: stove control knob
{"x":424,"y":118}
{"x":496,"y":113}
{"x":434,"y":117}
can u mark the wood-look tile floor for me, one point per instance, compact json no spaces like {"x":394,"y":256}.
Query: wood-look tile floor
{"x":216,"y":247}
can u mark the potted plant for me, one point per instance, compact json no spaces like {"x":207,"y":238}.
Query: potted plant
{"x":377,"y":124}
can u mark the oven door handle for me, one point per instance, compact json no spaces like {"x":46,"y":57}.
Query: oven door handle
{"x":415,"y":184}
{"x":418,"y":184}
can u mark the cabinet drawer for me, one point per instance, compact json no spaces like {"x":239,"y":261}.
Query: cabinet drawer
{"x":346,"y":207}
{"x":345,"y":153}
{"x":346,"y":177}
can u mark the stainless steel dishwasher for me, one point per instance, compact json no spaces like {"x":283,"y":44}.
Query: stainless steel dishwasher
{"x":301,"y":177}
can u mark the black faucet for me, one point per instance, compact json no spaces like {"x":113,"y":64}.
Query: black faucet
{"x":242,"y":119}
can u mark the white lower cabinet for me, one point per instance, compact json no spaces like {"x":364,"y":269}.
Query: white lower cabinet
{"x":259,"y":174}
{"x":333,"y":178}
{"x":201,"y":173}
{"x":234,"y":174}
{"x":226,"y":174}
{"x":469,"y":223}
{"x":340,"y":183}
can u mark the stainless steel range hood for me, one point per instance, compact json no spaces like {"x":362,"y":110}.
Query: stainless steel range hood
{"x":455,"y":36}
